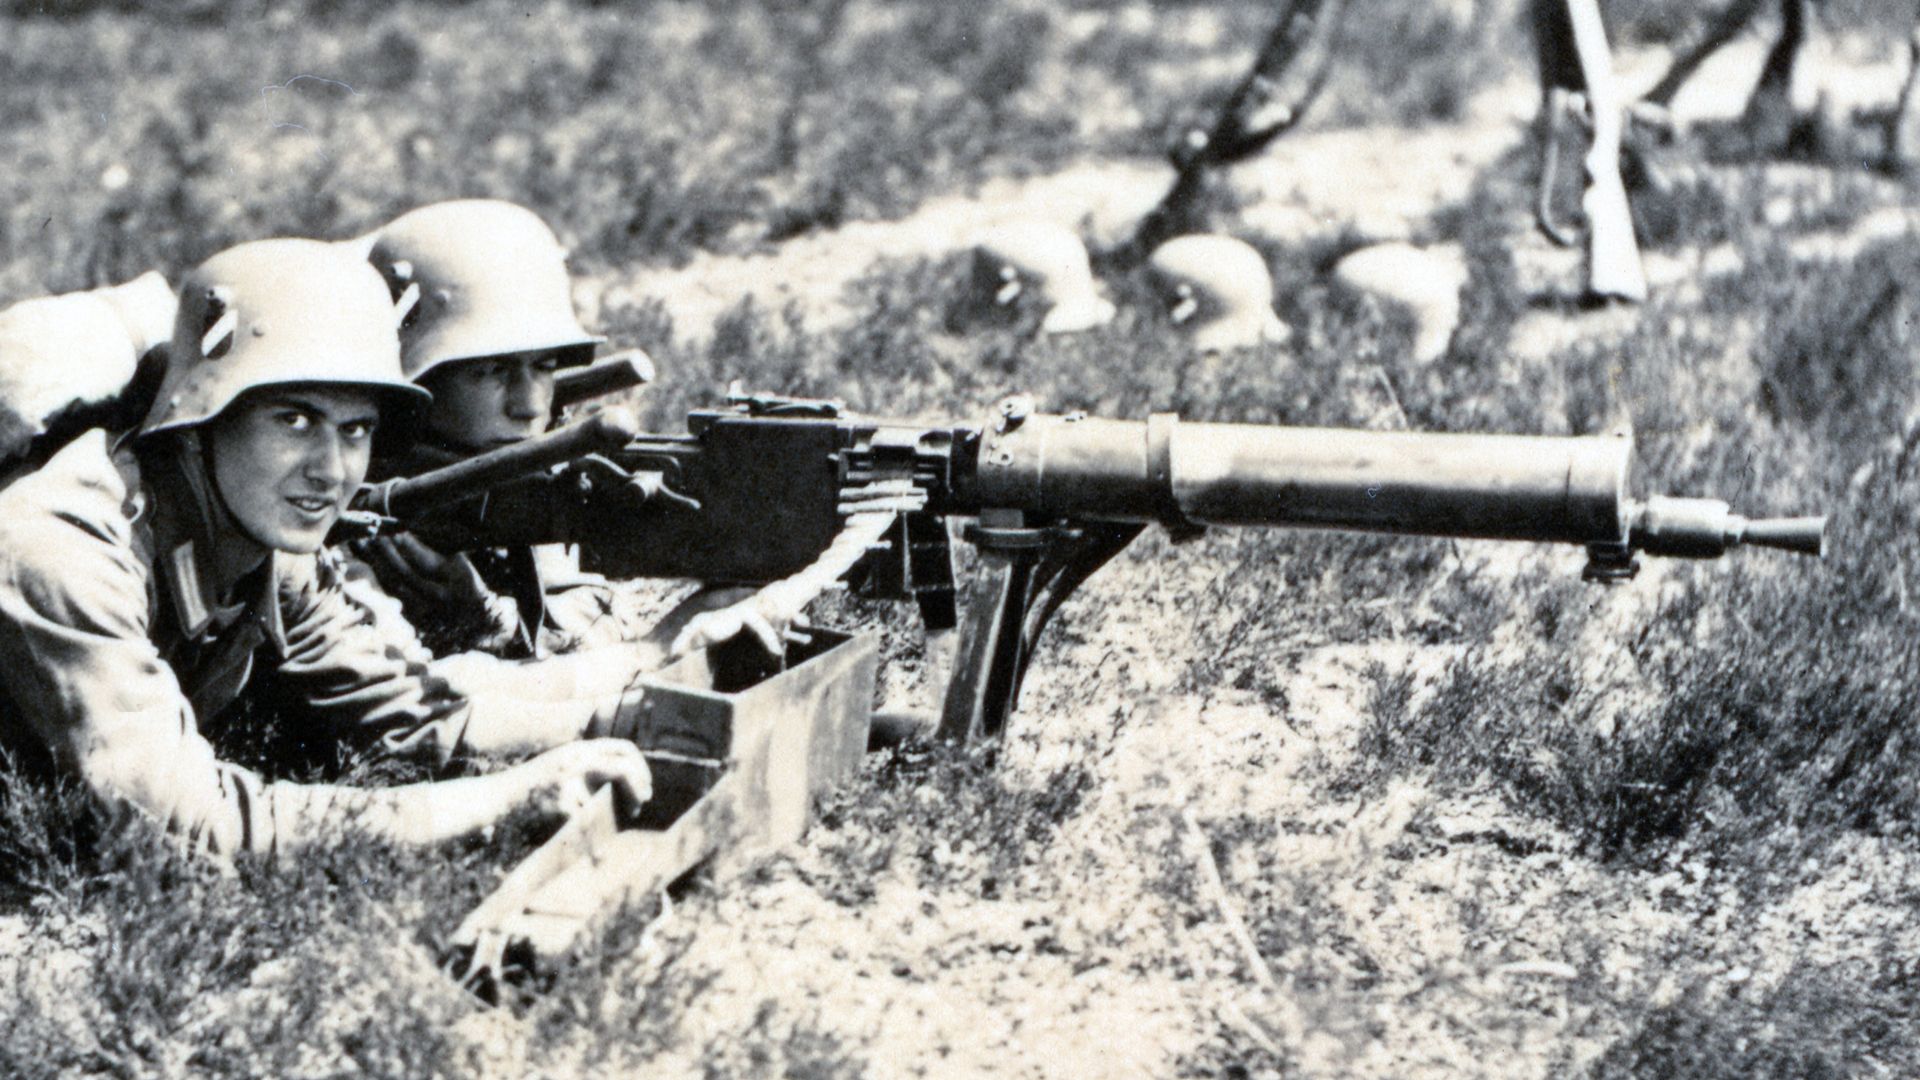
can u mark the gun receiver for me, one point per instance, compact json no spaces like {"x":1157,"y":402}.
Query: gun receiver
{"x":1053,"y":497}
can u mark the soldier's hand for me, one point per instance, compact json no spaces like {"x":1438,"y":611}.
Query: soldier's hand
{"x":570,"y":774}
{"x":411,"y":570}
{"x":770,"y":622}
{"x":432,"y":586}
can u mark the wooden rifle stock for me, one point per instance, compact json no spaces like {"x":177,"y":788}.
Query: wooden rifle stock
{"x":1613,"y":256}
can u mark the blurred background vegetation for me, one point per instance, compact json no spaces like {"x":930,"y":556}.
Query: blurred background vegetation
{"x":144,"y":135}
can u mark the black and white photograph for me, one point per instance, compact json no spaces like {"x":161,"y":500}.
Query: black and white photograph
{"x":855,"y":539}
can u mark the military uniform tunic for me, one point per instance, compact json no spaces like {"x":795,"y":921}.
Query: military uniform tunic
{"x":110,"y":656}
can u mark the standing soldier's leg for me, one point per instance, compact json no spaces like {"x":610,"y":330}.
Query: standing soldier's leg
{"x":1768,"y":119}
{"x":1562,"y":94}
{"x":1731,"y":22}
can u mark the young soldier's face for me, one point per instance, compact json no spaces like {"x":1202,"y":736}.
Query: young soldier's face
{"x":492,"y":401}
{"x":287,"y":459}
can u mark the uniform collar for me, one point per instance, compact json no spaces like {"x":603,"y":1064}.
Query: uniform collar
{"x":199,"y":615}
{"x":182,"y":514}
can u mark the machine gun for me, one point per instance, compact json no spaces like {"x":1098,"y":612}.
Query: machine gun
{"x":764,"y":486}
{"x":780,"y":490}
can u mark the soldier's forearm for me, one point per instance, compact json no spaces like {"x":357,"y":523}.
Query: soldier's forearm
{"x":591,"y":673}
{"x":412,"y":815}
{"x":504,"y":724}
{"x":606,"y":671}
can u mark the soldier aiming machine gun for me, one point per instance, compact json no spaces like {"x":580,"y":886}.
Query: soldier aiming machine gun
{"x":765,"y":486}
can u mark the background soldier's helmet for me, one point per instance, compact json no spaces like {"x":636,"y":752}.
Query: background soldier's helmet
{"x":492,"y":280}
{"x":1427,"y":280}
{"x":279,"y":311}
{"x":1048,"y":260}
{"x":1220,"y":290}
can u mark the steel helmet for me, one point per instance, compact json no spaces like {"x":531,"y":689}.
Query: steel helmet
{"x":1053,"y":259}
{"x":1223,"y":291}
{"x":492,"y":280}
{"x":279,"y":311}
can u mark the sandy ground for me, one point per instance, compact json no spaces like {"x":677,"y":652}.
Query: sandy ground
{"x":1402,"y":934}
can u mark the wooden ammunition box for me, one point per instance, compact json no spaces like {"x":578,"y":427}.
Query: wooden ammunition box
{"x":739,"y":749}
{"x":793,"y":734}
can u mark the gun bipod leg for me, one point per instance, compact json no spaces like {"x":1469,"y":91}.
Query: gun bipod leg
{"x":979,"y":695}
{"x":1070,"y":558}
{"x":1026,"y":574}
